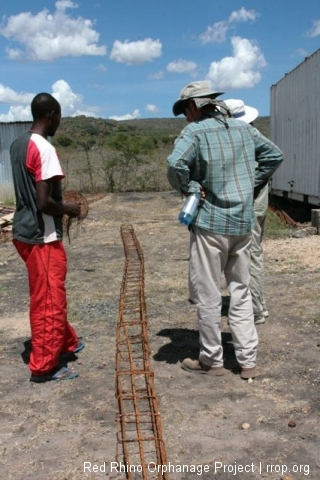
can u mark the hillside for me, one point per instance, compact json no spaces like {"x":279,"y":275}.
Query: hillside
{"x":175,"y":125}
{"x":103,"y":155}
{"x":159,"y":127}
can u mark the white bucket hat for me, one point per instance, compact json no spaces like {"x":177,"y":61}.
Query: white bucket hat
{"x":241,"y":111}
{"x":200,"y":89}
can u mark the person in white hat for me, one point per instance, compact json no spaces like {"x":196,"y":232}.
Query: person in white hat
{"x":217,"y":155}
{"x":247,"y":114}
{"x":239,"y":110}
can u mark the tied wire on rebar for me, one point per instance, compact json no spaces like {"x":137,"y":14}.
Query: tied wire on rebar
{"x":139,"y":430}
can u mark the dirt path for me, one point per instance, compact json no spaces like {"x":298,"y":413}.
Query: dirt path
{"x":48,"y":431}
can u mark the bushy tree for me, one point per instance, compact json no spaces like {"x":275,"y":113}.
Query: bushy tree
{"x":62,"y":141}
{"x":129,"y":152}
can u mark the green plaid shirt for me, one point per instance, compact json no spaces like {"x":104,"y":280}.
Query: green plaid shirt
{"x":221,"y":156}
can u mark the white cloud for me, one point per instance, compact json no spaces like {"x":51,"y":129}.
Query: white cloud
{"x":242,"y":70}
{"x":242,"y":15}
{"x":16,"y":114}
{"x":152,"y":108}
{"x":101,"y":67}
{"x":47,"y":36}
{"x":127,"y":116}
{"x":182,"y":66}
{"x":9,"y":96}
{"x":136,"y":53}
{"x":156,"y":76}
{"x":315,"y":31}
{"x":19,"y":103}
{"x":62,"y":5}
{"x":218,"y":32}
{"x":301,"y":52}
{"x":71,"y":103}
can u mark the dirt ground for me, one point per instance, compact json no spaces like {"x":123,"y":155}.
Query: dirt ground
{"x":227,"y":427}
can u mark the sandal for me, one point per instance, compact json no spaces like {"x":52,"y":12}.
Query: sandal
{"x":59,"y":374}
{"x":80,"y":346}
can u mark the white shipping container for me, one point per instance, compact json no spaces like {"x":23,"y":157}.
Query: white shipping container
{"x":295,"y":128}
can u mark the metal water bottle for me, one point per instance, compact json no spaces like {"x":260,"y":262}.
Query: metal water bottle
{"x":189,"y":209}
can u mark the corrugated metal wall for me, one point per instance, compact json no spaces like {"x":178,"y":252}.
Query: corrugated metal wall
{"x":8,"y":132}
{"x":295,"y":128}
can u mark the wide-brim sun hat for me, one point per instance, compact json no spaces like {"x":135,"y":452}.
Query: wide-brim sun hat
{"x":199,"y":89}
{"x":239,"y":110}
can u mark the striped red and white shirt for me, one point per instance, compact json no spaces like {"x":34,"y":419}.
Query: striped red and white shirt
{"x":34,"y":159}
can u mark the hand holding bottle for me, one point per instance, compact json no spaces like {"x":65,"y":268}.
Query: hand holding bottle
{"x":190,"y":208}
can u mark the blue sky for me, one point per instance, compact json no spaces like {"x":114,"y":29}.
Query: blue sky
{"x":126,"y":59}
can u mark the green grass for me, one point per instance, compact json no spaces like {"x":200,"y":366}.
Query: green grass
{"x":317,"y":320}
{"x":275,"y":227}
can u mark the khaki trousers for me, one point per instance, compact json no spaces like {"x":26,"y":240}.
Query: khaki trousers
{"x":211,"y":255}
{"x":257,"y":268}
{"x":257,"y":263}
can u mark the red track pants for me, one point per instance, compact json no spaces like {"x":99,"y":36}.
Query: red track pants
{"x":51,"y":334}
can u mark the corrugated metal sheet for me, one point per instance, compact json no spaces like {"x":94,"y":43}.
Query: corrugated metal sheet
{"x":295,"y":128}
{"x":8,"y":132}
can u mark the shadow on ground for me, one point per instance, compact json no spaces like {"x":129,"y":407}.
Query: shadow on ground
{"x":185,"y":343}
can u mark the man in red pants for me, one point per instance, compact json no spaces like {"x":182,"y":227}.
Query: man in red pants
{"x":37,"y":236}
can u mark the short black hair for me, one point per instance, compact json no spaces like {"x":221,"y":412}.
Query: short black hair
{"x":43,"y":104}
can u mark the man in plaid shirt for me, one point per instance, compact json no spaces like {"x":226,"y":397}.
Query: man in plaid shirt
{"x":216,"y":155}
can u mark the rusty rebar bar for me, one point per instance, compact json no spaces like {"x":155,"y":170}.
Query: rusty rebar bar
{"x":139,"y":429}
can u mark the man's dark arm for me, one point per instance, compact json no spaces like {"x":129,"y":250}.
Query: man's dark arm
{"x":46,"y":204}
